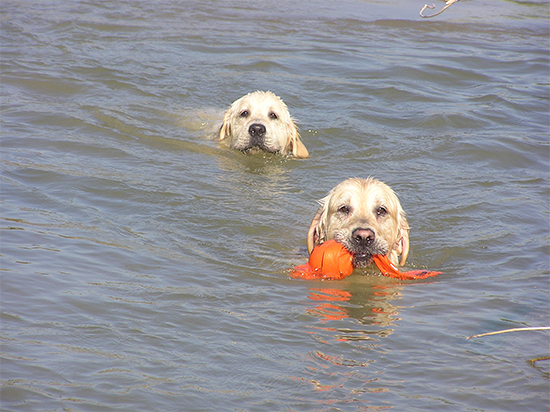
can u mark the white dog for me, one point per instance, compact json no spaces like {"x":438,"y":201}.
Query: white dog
{"x":366,"y":217}
{"x":260,"y":120}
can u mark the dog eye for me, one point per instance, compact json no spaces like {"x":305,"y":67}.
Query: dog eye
{"x":244,"y":113}
{"x":381,"y":211}
{"x":273,"y":115}
{"x":344,"y":209}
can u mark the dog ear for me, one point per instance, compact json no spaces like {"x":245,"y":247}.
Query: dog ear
{"x":316,"y":232}
{"x":225,"y":129}
{"x":403,"y":242}
{"x":295,"y":144}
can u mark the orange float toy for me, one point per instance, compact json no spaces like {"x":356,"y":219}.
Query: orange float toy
{"x":332,"y":261}
{"x":329,"y":260}
{"x":387,"y":268}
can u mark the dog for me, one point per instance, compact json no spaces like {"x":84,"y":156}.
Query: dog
{"x":261,"y":120}
{"x":366,"y":217}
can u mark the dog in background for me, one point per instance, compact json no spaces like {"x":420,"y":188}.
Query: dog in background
{"x":366,"y":217}
{"x":261,"y":120}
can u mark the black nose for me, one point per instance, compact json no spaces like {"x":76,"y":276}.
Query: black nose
{"x":256,"y":130}
{"x":363,"y":237}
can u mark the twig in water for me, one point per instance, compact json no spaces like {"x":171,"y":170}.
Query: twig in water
{"x":533,"y":361}
{"x":448,"y":4}
{"x":508,"y":330}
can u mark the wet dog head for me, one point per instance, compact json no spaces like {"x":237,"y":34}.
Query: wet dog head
{"x":366,"y":217}
{"x":261,"y":120}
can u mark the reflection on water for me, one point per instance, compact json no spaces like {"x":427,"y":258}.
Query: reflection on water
{"x":359,"y":316}
{"x":329,"y":311}
{"x":369,"y":305}
{"x":273,"y":166}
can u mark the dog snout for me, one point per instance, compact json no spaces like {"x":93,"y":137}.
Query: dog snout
{"x":363,"y":237}
{"x":257,"y":130}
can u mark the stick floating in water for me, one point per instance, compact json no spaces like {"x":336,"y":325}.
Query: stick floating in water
{"x":508,"y":330}
{"x":448,"y":4}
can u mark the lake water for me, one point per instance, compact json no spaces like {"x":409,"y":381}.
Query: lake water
{"x":146,"y":268}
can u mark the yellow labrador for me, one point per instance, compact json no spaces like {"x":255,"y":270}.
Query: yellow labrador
{"x":261,"y":120}
{"x":366,"y":217}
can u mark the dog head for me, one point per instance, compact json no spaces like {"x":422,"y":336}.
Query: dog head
{"x":366,"y":217}
{"x":261,"y":120}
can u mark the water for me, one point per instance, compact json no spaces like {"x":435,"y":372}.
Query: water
{"x":145,"y":267}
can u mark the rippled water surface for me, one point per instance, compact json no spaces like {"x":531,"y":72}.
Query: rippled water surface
{"x":146,"y":268}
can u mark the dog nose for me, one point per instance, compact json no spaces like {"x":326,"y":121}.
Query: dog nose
{"x":363,"y":237}
{"x":256,"y":130}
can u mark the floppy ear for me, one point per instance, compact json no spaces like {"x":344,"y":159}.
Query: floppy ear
{"x":316,"y":232}
{"x":295,"y":144}
{"x":225,"y":129}
{"x":403,"y":242}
